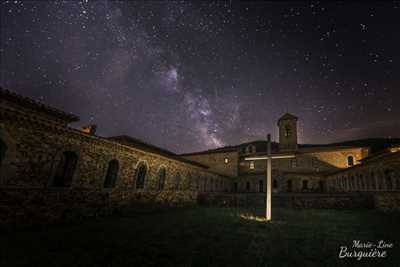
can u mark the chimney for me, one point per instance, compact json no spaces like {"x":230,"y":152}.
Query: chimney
{"x":89,"y":129}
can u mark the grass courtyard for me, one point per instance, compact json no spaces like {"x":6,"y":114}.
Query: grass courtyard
{"x":200,"y":236}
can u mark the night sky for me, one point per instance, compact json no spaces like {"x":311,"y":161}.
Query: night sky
{"x":189,"y":76}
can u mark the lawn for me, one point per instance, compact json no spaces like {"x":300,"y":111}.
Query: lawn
{"x":200,"y":236}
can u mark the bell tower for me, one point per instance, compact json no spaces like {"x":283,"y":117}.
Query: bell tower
{"x":287,"y":132}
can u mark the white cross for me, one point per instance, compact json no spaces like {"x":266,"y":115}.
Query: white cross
{"x":269,"y":158}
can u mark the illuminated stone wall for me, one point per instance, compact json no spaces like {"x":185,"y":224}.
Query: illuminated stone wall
{"x":225,"y":163}
{"x":381,"y":173}
{"x":35,"y":145}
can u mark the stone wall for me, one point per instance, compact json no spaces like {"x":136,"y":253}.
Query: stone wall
{"x":282,"y":182}
{"x":297,"y":201}
{"x":34,"y":152}
{"x":379,"y":174}
{"x":308,"y":160}
{"x":225,"y":163}
{"x":29,"y":206}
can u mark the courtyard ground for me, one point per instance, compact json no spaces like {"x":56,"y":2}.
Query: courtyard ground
{"x":200,"y":236}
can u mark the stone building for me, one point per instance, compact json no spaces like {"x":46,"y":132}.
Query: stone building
{"x":49,"y":169}
{"x":44,"y":160}
{"x":378,"y":172}
{"x":310,"y":170}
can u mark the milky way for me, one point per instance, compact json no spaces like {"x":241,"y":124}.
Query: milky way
{"x":191,"y":76}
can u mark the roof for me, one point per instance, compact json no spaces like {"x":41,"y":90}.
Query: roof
{"x":35,"y":105}
{"x":287,"y":116}
{"x":136,"y":143}
{"x":385,"y":155}
{"x":374,"y":144}
{"x":261,"y":146}
{"x":381,"y":154}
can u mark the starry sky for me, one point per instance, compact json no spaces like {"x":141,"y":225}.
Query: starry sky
{"x":190,"y":76}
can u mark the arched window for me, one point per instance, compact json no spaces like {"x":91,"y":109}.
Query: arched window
{"x":140,"y":176}
{"x":66,"y":169}
{"x":177,"y":181}
{"x":353,"y":184}
{"x":373,"y":183}
{"x":247,"y":186}
{"x":250,"y":149}
{"x":161,"y":178}
{"x":367,"y":183}
{"x":397,"y":179}
{"x":362,"y":186}
{"x":197,"y":183}
{"x":305,"y":185}
{"x":3,"y":149}
{"x":322,"y":186}
{"x":235,"y":187}
{"x":350,"y":161}
{"x":289,"y":186}
{"x":380,"y":181}
{"x":112,"y":174}
{"x":388,"y":180}
{"x":261,"y":186}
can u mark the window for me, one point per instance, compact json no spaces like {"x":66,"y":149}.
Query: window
{"x":251,"y":164}
{"x":361,"y":177}
{"x":373,"y":183}
{"x":140,"y":176}
{"x":66,"y":169}
{"x":350,"y":161}
{"x":235,"y":187}
{"x":161,"y":178}
{"x":250,"y":149}
{"x":322,"y":186}
{"x":287,"y":131}
{"x":261,"y":186}
{"x":112,"y":173}
{"x":226,"y":160}
{"x":247,"y":186}
{"x":294,"y":163}
{"x":275,"y":184}
{"x":289,"y":186}
{"x":388,"y":180}
{"x":305,"y":185}
{"x":3,"y":149}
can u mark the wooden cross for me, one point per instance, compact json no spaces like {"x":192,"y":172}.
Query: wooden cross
{"x":268,"y":177}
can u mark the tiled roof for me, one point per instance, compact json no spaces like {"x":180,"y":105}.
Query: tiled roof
{"x":136,"y":143}
{"x":35,"y":105}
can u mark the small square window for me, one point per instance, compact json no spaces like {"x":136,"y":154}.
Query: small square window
{"x":226,"y":160}
{"x":251,"y":164}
